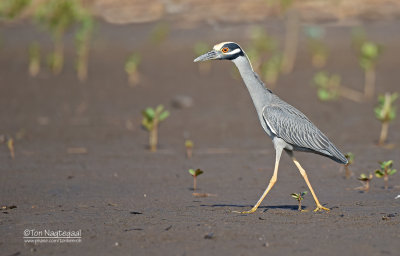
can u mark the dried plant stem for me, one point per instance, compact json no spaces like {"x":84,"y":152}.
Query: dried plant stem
{"x":370,"y":77}
{"x":299,"y":205}
{"x":351,"y":94}
{"x":291,"y":41}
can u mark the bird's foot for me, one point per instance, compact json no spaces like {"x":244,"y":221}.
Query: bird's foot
{"x":320,"y":208}
{"x":246,"y":212}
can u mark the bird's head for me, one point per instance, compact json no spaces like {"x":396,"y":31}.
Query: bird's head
{"x":222,"y":51}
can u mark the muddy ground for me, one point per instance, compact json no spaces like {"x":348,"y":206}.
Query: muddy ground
{"x":128,"y":201}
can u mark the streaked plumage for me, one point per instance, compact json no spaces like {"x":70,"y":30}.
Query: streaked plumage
{"x":289,"y":129}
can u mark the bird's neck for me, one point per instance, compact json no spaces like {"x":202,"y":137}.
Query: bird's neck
{"x":259,"y":94}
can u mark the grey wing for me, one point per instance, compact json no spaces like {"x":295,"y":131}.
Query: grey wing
{"x":295,"y":128}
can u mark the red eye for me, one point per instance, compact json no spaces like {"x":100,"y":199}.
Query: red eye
{"x":225,"y":50}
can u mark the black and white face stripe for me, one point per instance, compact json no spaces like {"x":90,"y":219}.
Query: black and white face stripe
{"x":229,"y":50}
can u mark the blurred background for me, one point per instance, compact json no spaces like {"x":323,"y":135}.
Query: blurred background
{"x":102,"y":108}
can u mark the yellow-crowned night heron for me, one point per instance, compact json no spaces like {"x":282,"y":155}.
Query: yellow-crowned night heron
{"x":289,"y":129}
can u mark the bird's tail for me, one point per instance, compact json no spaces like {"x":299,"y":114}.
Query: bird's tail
{"x":336,"y":155}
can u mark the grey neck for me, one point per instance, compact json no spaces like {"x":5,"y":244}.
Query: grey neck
{"x":259,"y":94}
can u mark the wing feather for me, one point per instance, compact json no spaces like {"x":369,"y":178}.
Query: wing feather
{"x":294,"y":127}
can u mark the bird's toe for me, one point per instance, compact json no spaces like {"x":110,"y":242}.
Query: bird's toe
{"x":321,"y":208}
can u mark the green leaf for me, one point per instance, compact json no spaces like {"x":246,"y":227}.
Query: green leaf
{"x":392,"y":171}
{"x":159,"y":109}
{"x":321,"y":79}
{"x":303,"y":193}
{"x":370,"y":50}
{"x":163,"y":115}
{"x":192,"y":172}
{"x":149,"y":113}
{"x":198,"y":172}
{"x":295,"y":196}
{"x":350,"y":157}
{"x":189,"y":144}
{"x":324,"y":95}
{"x":147,"y":124}
{"x":392,"y":114}
{"x":386,"y":164}
{"x":379,"y":173}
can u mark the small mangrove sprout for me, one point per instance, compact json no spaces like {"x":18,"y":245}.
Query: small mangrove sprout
{"x":319,"y":52}
{"x":327,"y":85}
{"x":329,"y":88}
{"x":151,"y":120}
{"x":160,"y":33}
{"x":34,"y":59}
{"x":132,"y":68}
{"x":365,"y":180}
{"x":369,"y":53}
{"x":385,"y":171}
{"x":59,"y":16}
{"x":350,"y":157}
{"x":189,"y":148}
{"x":299,"y":197}
{"x":385,"y":112}
{"x":271,"y":68}
{"x":10,"y":9}
{"x":195,"y":173}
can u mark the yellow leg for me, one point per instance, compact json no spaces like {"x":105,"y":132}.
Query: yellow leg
{"x":304,"y":174}
{"x":271,"y":182}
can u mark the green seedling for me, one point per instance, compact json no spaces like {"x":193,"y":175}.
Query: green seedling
{"x":160,"y":33}
{"x":132,"y":68}
{"x":328,"y":86}
{"x":34,"y":59}
{"x":195,"y":173}
{"x":319,"y":52}
{"x":10,"y":9}
{"x":299,"y":197}
{"x":270,"y":70}
{"x":189,"y":148}
{"x":82,"y":42}
{"x":261,"y":47}
{"x":350,"y":157}
{"x":365,"y":180}
{"x":291,"y":33}
{"x":59,"y":16}
{"x":199,"y":49}
{"x":369,"y":53}
{"x":151,"y":120}
{"x":385,"y":112}
{"x":385,"y":171}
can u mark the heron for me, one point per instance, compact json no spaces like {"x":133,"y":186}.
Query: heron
{"x":289,"y":129}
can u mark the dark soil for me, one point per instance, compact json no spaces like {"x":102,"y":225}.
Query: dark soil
{"x":128,"y":201}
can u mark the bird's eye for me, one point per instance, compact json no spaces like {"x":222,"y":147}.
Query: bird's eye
{"x":225,"y":49}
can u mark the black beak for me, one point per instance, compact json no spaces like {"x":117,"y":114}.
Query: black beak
{"x":211,"y":55}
